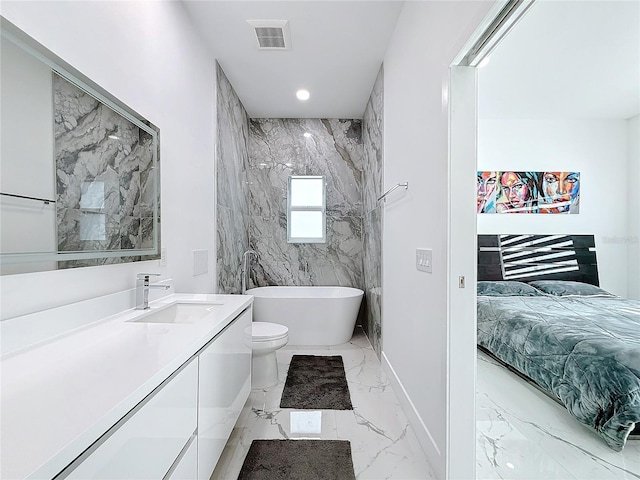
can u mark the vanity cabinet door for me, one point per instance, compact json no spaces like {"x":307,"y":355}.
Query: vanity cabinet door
{"x":146,"y":443}
{"x":224,"y":386}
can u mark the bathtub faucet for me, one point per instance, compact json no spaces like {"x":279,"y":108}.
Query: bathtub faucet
{"x":246,"y":268}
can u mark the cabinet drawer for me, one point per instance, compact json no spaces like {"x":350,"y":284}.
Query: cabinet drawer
{"x":187,"y":466}
{"x":145,"y":444}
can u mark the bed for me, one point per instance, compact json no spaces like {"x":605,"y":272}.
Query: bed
{"x":575,"y":341}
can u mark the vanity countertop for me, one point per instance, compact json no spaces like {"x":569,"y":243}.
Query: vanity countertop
{"x":60,"y":396}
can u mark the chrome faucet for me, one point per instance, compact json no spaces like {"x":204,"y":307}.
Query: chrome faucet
{"x":246,"y":268}
{"x":142,"y":289}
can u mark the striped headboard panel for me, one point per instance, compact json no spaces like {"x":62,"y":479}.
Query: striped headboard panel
{"x":527,"y":257}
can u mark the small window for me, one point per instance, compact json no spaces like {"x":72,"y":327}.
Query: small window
{"x":306,"y":220}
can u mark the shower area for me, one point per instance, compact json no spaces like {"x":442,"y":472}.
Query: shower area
{"x":254,"y":159}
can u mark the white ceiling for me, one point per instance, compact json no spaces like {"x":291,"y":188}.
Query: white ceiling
{"x":566,"y":59}
{"x":337,"y":48}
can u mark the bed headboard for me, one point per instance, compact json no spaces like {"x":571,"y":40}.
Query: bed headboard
{"x":527,"y":257}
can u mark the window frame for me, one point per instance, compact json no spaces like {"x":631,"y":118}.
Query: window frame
{"x":322,"y":209}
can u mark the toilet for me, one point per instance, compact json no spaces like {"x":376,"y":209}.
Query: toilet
{"x":265,"y":339}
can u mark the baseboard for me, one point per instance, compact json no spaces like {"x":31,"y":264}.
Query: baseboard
{"x":428,"y":444}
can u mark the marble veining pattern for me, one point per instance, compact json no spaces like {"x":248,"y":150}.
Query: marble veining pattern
{"x":232,"y":207}
{"x":104,"y":181}
{"x":383,"y":443}
{"x":373,"y":277}
{"x":523,"y":434}
{"x":372,"y":139}
{"x":279,"y":148}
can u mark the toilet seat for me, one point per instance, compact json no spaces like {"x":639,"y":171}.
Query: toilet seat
{"x":266,"y":332}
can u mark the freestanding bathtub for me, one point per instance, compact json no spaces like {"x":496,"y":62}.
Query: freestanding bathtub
{"x":313,"y":315}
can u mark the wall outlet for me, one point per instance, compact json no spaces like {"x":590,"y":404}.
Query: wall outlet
{"x":424,"y":260}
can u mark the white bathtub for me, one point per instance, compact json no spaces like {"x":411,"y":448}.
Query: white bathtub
{"x":314,"y":315}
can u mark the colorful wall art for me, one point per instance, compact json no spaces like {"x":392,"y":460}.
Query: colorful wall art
{"x":528,"y":192}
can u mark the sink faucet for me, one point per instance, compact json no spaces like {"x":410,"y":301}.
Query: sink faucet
{"x":246,"y":268}
{"x":142,"y":289}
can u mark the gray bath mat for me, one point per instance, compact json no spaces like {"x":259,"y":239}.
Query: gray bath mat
{"x":298,"y":460}
{"x":316,"y":383}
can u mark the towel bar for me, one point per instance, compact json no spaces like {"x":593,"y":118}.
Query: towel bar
{"x":405,"y":185}
{"x":45,"y":200}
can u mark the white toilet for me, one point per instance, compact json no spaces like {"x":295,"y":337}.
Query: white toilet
{"x":265,"y":338}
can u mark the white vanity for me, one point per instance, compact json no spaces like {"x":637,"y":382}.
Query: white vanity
{"x":98,"y":389}
{"x":139,"y":394}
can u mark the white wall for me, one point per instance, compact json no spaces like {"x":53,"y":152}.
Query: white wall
{"x":633,"y":202}
{"x":26,"y":157}
{"x":146,"y":54}
{"x":595,"y":148}
{"x":414,"y":311}
{"x":27,"y":131}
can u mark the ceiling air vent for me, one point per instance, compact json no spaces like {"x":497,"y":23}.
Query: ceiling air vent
{"x":271,"y":34}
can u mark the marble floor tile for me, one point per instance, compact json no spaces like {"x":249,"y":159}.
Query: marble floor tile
{"x":383,"y":445}
{"x":522,"y":433}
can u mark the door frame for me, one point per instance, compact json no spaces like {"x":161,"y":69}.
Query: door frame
{"x":462,"y":235}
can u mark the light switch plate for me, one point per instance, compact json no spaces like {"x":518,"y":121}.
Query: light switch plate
{"x":424,"y":259}
{"x":162,"y":262}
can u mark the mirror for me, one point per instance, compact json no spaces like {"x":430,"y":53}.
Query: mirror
{"x":80,"y":173}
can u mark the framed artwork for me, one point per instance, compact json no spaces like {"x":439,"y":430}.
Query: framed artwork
{"x":528,"y":192}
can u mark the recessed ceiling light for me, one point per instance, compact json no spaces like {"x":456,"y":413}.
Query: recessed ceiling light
{"x":303,"y":94}
{"x":307,"y":135}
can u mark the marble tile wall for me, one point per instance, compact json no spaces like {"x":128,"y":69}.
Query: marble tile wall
{"x":232,"y":195}
{"x":372,"y":138}
{"x":104,"y":177}
{"x":279,"y":148}
{"x":254,"y":160}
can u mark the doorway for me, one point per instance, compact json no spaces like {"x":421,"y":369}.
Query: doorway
{"x":540,"y":449}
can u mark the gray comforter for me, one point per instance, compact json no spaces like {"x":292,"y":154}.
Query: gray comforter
{"x":583,"y":350}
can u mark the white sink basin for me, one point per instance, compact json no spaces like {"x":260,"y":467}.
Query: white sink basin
{"x":178,"y":313}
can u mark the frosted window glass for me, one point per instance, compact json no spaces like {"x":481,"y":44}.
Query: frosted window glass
{"x":306,"y":224}
{"x":306,"y":192}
